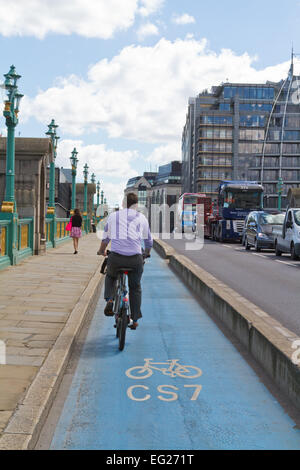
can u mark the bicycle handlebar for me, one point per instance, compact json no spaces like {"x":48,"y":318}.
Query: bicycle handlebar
{"x":104,"y":264}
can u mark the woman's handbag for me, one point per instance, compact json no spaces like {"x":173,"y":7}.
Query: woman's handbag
{"x":69,"y":226}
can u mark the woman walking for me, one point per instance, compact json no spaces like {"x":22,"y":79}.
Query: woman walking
{"x":76,"y":229}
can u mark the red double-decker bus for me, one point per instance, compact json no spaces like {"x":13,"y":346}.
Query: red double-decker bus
{"x":188,"y":207}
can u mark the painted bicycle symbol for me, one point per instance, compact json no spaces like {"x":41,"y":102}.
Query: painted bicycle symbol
{"x":173,"y":369}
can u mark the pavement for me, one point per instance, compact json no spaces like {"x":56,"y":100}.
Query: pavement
{"x":214,"y":400}
{"x":37,"y":298}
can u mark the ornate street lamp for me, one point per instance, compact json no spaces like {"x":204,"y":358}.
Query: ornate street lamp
{"x":85,"y":174}
{"x":98,"y":193}
{"x":54,"y":139}
{"x":74,"y":161}
{"x":11,"y":111}
{"x":9,"y":208}
{"x":93,"y":181}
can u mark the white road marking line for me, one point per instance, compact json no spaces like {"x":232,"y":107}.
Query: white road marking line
{"x":227,"y":246}
{"x":285,"y":262}
{"x":256,"y":254}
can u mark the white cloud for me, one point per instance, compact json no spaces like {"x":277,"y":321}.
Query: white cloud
{"x":147,"y":29}
{"x":165,"y":154}
{"x":101,"y":160}
{"x":150,"y":6}
{"x":183,"y":19}
{"x":88,"y":18}
{"x":142,"y":93}
{"x":113,"y":168}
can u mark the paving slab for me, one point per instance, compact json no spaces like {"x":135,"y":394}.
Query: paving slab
{"x":37,"y":298}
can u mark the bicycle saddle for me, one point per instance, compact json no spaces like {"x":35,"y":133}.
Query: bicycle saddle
{"x":125,"y":270}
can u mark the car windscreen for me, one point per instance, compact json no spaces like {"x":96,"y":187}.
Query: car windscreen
{"x":297,"y":217}
{"x":271,"y":219}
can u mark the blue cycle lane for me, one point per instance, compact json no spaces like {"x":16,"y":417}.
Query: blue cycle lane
{"x":194,"y":391}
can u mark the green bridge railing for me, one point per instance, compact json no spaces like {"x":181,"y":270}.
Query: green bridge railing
{"x":25,"y":238}
{"x":5,"y":232}
{"x":55,"y":234}
{"x":24,"y":241}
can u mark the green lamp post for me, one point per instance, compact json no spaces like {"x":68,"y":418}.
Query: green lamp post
{"x":98,"y":193}
{"x":74,"y":161}
{"x":54,"y":139}
{"x":11,"y":110}
{"x":85,"y":214}
{"x":279,"y":191}
{"x":8,"y":208}
{"x":102,"y":197}
{"x":93,"y":181}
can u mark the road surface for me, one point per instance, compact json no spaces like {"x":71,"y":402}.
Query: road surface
{"x":268,"y":281}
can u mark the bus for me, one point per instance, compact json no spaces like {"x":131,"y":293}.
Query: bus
{"x":236,"y":199}
{"x":187,"y":209}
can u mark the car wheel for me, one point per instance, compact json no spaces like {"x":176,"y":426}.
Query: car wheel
{"x":256,"y":246}
{"x":277,"y":251}
{"x":293,"y":253}
{"x":247,"y":246}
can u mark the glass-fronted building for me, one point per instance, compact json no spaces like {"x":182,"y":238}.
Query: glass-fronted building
{"x":244,"y":132}
{"x":229,"y":127}
{"x":280,"y":156}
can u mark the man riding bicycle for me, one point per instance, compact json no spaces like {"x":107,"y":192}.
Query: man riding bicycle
{"x":126,"y":229}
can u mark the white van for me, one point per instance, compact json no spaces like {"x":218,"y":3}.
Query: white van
{"x":287,"y":240}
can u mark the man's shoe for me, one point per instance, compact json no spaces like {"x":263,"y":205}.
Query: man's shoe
{"x":108,"y":311}
{"x":133,"y":325}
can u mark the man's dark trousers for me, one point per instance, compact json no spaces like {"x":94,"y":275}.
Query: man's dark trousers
{"x":136,"y":263}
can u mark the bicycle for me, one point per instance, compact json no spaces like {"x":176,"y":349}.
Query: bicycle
{"x":121,"y":307}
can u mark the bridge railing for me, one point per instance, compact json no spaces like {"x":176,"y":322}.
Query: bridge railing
{"x":61,"y":233}
{"x":5,"y":230}
{"x":49,"y":230}
{"x":13,"y":252}
{"x":25,"y":238}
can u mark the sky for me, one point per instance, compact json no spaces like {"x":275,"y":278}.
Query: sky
{"x":116,"y":75}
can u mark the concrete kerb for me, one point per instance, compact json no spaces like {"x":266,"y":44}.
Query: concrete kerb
{"x":24,"y":427}
{"x":264,"y":337}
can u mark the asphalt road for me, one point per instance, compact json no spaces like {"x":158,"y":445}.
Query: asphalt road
{"x":270,"y":282}
{"x":216,"y":402}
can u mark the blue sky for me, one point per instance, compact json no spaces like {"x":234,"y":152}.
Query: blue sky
{"x":116,"y":76}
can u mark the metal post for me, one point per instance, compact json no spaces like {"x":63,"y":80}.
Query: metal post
{"x":54,"y":138}
{"x":98,"y":193}
{"x":85,"y":214}
{"x":279,"y":191}
{"x":9,"y":208}
{"x":74,"y":161}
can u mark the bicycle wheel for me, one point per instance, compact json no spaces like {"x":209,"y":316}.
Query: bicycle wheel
{"x":141,"y":372}
{"x":188,"y":372}
{"x":123,"y":322}
{"x":117,"y":327}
